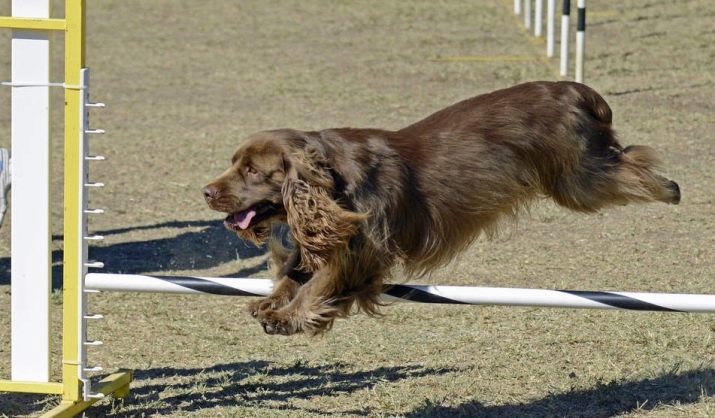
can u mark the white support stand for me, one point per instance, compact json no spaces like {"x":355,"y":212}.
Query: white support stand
{"x":527,"y":14}
{"x":30,"y":243}
{"x":517,"y":7}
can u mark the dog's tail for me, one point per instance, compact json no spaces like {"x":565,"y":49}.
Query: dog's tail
{"x":637,"y":177}
{"x":622,"y":177}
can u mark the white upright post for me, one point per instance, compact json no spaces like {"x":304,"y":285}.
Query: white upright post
{"x":517,"y":7}
{"x":550,"y":15}
{"x":565,"y":38}
{"x":580,"y":39}
{"x":30,"y":242}
{"x":538,"y":17}
{"x":527,"y":14}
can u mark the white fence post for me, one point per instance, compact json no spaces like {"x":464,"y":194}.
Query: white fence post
{"x":527,"y":14}
{"x":538,"y":17}
{"x":30,"y":242}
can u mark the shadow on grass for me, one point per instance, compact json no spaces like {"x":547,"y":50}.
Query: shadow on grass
{"x":21,"y":404}
{"x":209,"y":247}
{"x":262,"y":385}
{"x":256,"y":384}
{"x":605,"y":400}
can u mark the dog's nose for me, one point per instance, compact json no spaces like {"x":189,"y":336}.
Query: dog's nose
{"x":210,"y":192}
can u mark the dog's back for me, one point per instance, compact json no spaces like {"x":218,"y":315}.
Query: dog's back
{"x":488,"y":156}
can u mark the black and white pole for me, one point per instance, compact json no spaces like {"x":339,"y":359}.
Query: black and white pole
{"x":460,"y":295}
{"x":550,"y":15}
{"x":580,"y":39}
{"x":565,"y":18}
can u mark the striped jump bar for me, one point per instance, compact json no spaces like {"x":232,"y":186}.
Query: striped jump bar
{"x":461,"y":295}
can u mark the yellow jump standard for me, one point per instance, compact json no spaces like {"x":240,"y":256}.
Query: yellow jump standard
{"x":31,"y":24}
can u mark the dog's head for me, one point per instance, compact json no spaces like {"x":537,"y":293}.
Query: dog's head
{"x":283,"y":176}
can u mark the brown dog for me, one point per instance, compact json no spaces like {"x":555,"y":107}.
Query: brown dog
{"x":358,"y":201}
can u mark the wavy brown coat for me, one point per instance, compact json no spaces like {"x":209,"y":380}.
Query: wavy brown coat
{"x":360,"y":201}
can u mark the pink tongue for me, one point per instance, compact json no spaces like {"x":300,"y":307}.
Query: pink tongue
{"x":243,"y":219}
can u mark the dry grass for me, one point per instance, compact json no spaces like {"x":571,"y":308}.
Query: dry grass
{"x":185,"y":80}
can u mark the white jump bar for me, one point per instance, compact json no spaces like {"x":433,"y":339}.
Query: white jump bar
{"x":668,"y":302}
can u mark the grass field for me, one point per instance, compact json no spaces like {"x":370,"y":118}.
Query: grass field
{"x":184,"y":81}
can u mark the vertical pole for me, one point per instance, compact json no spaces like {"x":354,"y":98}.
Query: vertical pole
{"x":565,"y":38}
{"x":517,"y":7}
{"x":527,"y":14}
{"x":580,"y":39}
{"x":30,"y":247}
{"x":72,"y":316}
{"x":84,"y":237}
{"x":538,"y":17}
{"x":550,"y":12}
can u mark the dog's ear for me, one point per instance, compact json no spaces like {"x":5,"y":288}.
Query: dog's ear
{"x":318,"y":224}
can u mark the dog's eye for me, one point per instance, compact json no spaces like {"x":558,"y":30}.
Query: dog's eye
{"x":252,"y":171}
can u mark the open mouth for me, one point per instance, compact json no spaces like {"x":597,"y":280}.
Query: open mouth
{"x":252,"y":215}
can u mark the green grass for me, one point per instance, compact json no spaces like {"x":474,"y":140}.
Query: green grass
{"x":184,"y":81}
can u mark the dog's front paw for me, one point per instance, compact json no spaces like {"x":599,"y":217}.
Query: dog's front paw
{"x":255,"y":307}
{"x":268,"y":303}
{"x":277,"y":322}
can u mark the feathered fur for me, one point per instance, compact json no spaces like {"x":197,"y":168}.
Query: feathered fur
{"x":360,"y":201}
